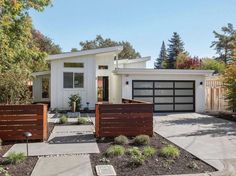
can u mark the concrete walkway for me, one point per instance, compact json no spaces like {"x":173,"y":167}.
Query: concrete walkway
{"x":212,"y":140}
{"x":63,"y":166}
{"x":73,"y":139}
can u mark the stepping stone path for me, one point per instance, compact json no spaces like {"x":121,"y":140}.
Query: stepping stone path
{"x":63,"y":166}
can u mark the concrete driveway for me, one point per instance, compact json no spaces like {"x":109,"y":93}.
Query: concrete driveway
{"x":211,"y":139}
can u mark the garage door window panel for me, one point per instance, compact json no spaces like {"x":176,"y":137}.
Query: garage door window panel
{"x":146,"y":99}
{"x":184,"y":85}
{"x":184,"y":92}
{"x":164,"y":92}
{"x":143,"y":85}
{"x":184,"y":107}
{"x":164,"y":84}
{"x":164,"y":100}
{"x":143,"y":92}
{"x":164,"y":107}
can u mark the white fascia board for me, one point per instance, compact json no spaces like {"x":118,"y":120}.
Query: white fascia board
{"x":115,"y":49}
{"x":129,"y":61}
{"x":41,"y":73}
{"x":147,"y":71}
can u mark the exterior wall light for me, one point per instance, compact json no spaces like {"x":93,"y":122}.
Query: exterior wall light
{"x":127,"y":82}
{"x":201,"y":83}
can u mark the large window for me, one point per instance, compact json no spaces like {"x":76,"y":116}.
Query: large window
{"x":73,"y":80}
{"x":74,"y":64}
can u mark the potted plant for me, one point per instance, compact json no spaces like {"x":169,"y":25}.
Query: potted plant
{"x":75,"y":102}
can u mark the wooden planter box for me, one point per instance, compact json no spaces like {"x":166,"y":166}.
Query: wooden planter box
{"x":17,"y":119}
{"x":130,"y":118}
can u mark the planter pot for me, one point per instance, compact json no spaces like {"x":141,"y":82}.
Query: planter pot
{"x":73,"y":107}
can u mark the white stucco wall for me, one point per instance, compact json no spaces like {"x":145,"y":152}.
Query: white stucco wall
{"x":199,"y":89}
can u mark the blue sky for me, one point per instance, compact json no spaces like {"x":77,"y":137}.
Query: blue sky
{"x":144,"y":23}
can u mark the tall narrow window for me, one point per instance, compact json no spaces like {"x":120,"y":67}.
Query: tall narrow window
{"x":68,"y":79}
{"x":78,"y":80}
{"x":45,"y":87}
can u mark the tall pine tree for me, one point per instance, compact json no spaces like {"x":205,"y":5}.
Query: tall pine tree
{"x":160,"y":61}
{"x":176,"y":46}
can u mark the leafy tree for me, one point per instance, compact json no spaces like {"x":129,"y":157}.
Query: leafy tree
{"x":14,"y":85}
{"x":224,"y":45}
{"x":128,"y":51}
{"x":184,"y":61}
{"x":44,"y":43}
{"x":16,"y":44}
{"x":213,"y":64}
{"x":74,"y":50}
{"x":160,"y":61}
{"x":229,"y":78}
{"x":176,"y":46}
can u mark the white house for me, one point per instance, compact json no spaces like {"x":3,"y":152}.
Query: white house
{"x":98,"y":75}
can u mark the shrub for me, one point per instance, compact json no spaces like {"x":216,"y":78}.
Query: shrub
{"x":4,"y":172}
{"x":142,"y":140}
{"x":170,"y":151}
{"x":149,"y":151}
{"x":193,"y":165}
{"x":15,"y":158}
{"x":137,"y":159}
{"x":121,"y":140}
{"x":134,"y":151}
{"x":63,"y":119}
{"x":115,"y":150}
{"x":82,"y":121}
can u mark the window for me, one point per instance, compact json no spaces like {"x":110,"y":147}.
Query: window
{"x":74,"y":65}
{"x":78,"y":80}
{"x":45,"y":87}
{"x":73,"y":80}
{"x":103,"y":67}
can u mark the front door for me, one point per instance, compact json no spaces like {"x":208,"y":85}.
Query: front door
{"x":103,"y":88}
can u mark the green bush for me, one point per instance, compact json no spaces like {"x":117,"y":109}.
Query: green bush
{"x":115,"y":150}
{"x":63,"y":119}
{"x":149,"y":151}
{"x":4,"y":172}
{"x":142,"y":140}
{"x":134,"y":151}
{"x":15,"y":158}
{"x":82,"y":121}
{"x":121,"y":140}
{"x":170,"y":151}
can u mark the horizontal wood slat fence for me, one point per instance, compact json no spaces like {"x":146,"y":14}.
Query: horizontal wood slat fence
{"x":17,"y":119}
{"x":130,"y":118}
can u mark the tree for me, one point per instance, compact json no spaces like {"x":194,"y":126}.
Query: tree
{"x":160,"y":61}
{"x":44,"y":43}
{"x":213,"y":64}
{"x":16,"y":44}
{"x":176,"y":46}
{"x":128,"y":51}
{"x":184,"y":61}
{"x":229,"y":78}
{"x":74,"y":50}
{"x":224,"y":44}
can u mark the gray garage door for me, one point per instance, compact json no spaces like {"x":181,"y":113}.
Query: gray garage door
{"x":167,"y":96}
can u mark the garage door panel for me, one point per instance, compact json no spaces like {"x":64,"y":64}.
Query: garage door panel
{"x":184,"y":107}
{"x":143,"y":92}
{"x":164,"y":100}
{"x":142,"y":84}
{"x":184,"y":99}
{"x":147,"y":99}
{"x":163,"y":92}
{"x":184,"y":84}
{"x":184,"y":92}
{"x":164,"y":107}
{"x":164,"y":84}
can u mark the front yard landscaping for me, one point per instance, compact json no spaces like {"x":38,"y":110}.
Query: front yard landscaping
{"x":144,"y":156}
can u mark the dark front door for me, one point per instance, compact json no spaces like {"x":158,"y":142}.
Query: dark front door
{"x":105,"y":82}
{"x":167,"y":96}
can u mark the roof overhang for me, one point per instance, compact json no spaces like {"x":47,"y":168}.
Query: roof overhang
{"x":41,"y":73}
{"x":147,"y":71}
{"x":130,"y":61}
{"x":115,"y":50}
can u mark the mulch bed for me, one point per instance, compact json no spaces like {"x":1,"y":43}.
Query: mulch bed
{"x":23,"y":169}
{"x":156,"y":165}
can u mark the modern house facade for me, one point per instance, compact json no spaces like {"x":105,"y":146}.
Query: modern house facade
{"x":98,"y":75}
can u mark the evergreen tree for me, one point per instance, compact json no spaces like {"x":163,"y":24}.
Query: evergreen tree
{"x":162,"y":57}
{"x":176,"y":46}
